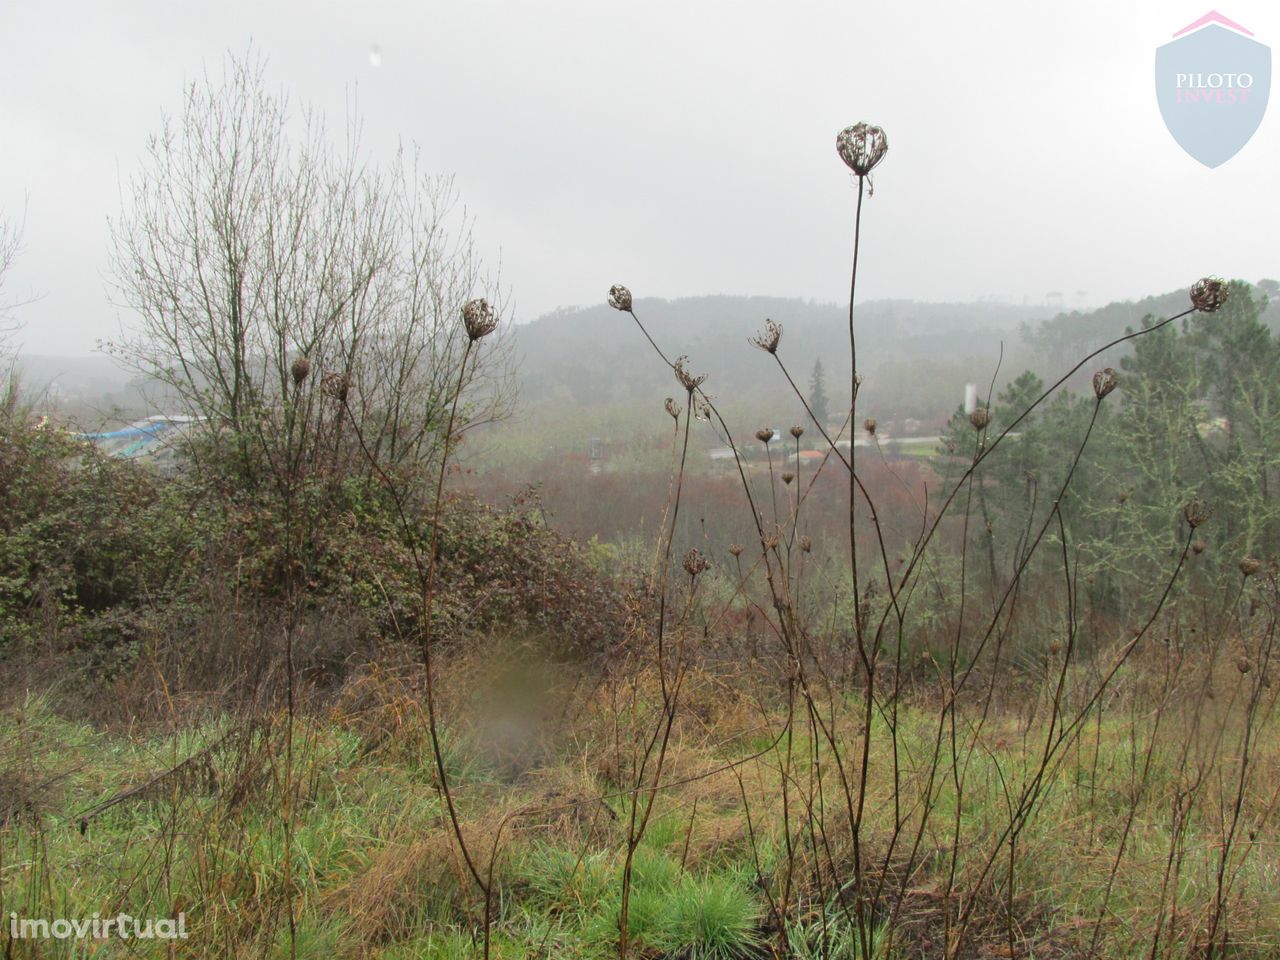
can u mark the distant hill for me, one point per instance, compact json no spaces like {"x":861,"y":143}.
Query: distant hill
{"x":595,"y":355}
{"x":915,"y":357}
{"x":1079,"y":332}
{"x":92,"y":389}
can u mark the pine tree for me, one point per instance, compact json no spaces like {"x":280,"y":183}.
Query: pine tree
{"x":818,"y":394}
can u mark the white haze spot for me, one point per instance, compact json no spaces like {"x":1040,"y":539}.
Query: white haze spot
{"x":375,"y":56}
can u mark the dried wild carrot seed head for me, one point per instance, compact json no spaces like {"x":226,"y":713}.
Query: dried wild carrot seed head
{"x":769,"y":340}
{"x":861,"y":147}
{"x":1104,"y":381}
{"x":336,"y":385}
{"x":620,"y":298}
{"x":479,"y":318}
{"x":687,"y":380}
{"x":1208,"y":294}
{"x":1195,"y":513}
{"x":694,"y":562}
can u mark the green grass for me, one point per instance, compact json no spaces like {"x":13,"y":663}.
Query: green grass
{"x":373,"y":861}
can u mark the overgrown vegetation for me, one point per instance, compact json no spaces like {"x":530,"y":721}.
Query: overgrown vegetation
{"x":1017,"y":701}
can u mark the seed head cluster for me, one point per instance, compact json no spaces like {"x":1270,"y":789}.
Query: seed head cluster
{"x":1208,"y":294}
{"x":479,"y":318}
{"x":620,"y":298}
{"x":769,"y":340}
{"x":1104,"y":381}
{"x":861,"y":147}
{"x":336,"y":385}
{"x":1195,"y":513}
{"x":687,"y":380}
{"x":694,"y":562}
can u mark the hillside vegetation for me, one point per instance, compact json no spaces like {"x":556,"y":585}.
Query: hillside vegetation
{"x":346,"y":683}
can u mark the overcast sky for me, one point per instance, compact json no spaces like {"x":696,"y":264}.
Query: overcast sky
{"x":683,"y":148}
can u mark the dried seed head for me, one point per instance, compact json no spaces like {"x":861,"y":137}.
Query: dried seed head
{"x":694,"y":562}
{"x":620,"y":298}
{"x":770,"y":540}
{"x":805,"y":543}
{"x":1208,"y":294}
{"x":1198,"y":547}
{"x":673,"y":408}
{"x":336,"y":385}
{"x":788,"y":477}
{"x":687,"y":380}
{"x":861,"y":147}
{"x":735,"y":549}
{"x":301,"y":367}
{"x":980,"y":417}
{"x":479,"y":318}
{"x":702,"y":411}
{"x":769,"y":340}
{"x":1195,"y":513}
{"x":1104,"y":381}
{"x":1250,"y":565}
{"x":797,"y":431}
{"x":764,"y":435}
{"x":869,"y":425}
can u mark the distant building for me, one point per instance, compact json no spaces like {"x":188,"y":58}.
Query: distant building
{"x":155,"y":440}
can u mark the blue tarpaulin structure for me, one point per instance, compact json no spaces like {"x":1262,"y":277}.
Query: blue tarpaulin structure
{"x":155,"y":437}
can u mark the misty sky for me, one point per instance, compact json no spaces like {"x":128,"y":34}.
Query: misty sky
{"x":682,"y":149}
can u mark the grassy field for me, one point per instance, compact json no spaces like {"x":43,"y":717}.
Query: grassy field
{"x":746,"y":853}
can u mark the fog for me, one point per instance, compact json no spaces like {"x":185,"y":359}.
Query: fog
{"x":683,"y":150}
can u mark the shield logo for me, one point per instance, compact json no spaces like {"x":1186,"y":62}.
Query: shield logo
{"x":1212,"y":84}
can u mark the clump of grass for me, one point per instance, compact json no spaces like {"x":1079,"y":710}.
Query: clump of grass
{"x":711,"y":918}
{"x":564,"y":881}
